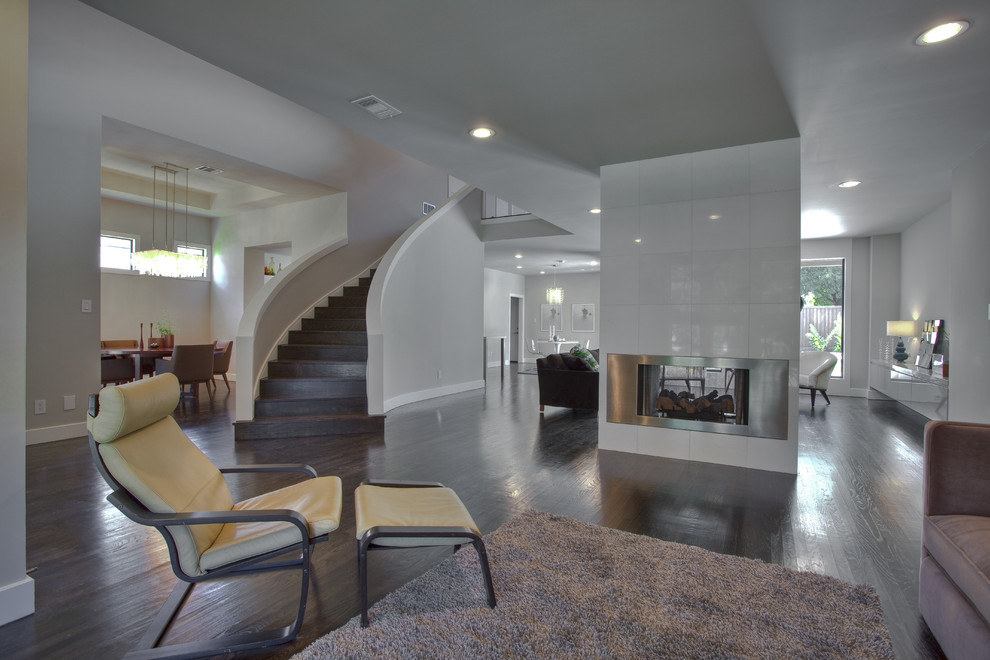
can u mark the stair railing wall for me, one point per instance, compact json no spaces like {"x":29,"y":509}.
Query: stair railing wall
{"x":285,"y":300}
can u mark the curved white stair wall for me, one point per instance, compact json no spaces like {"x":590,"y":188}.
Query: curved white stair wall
{"x":425,"y":309}
{"x":280,"y":305}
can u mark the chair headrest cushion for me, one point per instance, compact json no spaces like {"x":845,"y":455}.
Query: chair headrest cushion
{"x":127,"y":408}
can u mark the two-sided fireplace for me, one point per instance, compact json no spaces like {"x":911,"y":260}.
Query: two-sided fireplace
{"x":719,"y":395}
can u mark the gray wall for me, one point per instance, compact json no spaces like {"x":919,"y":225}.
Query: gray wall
{"x":86,"y":66}
{"x":969,"y":292}
{"x":16,"y":589}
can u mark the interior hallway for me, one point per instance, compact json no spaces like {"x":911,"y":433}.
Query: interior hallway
{"x":853,"y":512}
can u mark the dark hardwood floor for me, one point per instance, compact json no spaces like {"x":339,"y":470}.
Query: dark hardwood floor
{"x":853,"y":511}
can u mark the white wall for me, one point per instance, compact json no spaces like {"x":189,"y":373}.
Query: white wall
{"x":858,"y":290}
{"x":86,"y":66}
{"x":500,"y":287}
{"x":885,"y":287}
{"x":578,"y":288}
{"x":129,"y":299}
{"x":304,"y":225}
{"x":433,"y":310}
{"x":715,"y":274}
{"x":16,"y":589}
{"x":926,"y":264}
{"x":969,"y":291}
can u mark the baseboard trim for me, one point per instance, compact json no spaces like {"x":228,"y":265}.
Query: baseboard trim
{"x":54,"y":433}
{"x":16,"y":600}
{"x":423,"y":395}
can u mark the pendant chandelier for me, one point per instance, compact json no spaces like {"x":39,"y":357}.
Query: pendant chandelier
{"x":555,"y":295}
{"x":168,"y":260}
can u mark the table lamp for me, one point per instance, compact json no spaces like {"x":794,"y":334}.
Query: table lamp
{"x":900,"y":329}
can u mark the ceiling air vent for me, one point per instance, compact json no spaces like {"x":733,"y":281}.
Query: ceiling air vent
{"x":377,"y":107}
{"x":209,"y":169}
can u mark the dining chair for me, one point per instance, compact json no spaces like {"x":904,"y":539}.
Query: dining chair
{"x":534,"y":350}
{"x":221,"y":362}
{"x":114,"y":370}
{"x":192,"y":364}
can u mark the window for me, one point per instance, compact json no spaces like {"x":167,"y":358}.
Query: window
{"x":822,"y":288}
{"x":116,"y":250}
{"x":196,"y":251}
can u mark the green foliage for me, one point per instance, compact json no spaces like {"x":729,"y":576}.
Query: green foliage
{"x":165,"y":324}
{"x":822,"y":284}
{"x":821,"y":343}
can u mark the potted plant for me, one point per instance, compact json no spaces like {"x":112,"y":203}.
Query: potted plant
{"x":166,"y":329}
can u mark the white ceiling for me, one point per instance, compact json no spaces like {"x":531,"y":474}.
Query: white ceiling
{"x":571,"y":85}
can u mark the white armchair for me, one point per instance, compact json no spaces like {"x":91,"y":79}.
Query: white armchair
{"x":814,"y":372}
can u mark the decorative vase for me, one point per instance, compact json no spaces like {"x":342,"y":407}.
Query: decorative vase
{"x":167,"y":341}
{"x":900,"y":351}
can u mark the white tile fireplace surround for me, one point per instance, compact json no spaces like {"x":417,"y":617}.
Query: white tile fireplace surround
{"x":701,"y":258}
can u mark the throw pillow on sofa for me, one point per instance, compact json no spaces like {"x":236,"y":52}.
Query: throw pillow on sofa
{"x":585,"y":356}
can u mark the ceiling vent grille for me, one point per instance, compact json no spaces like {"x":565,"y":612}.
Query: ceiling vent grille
{"x":377,"y":107}
{"x":209,"y":169}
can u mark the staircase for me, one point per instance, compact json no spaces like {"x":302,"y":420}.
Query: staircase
{"x":317,"y":385}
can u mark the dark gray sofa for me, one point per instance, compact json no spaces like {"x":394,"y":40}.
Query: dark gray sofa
{"x":955,"y":556}
{"x":566,"y":383}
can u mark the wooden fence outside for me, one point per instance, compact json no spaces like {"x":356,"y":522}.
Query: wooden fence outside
{"x":823,"y":318}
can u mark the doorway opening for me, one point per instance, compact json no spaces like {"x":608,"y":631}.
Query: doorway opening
{"x":515,"y":322}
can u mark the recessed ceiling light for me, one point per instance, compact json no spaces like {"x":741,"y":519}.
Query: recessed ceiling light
{"x":942,"y":32}
{"x":482,"y":132}
{"x":851,"y":183}
{"x":518,"y":267}
{"x":714,"y":216}
{"x":595,"y":210}
{"x":594,"y":263}
{"x":639,"y":240}
{"x":543,"y":272}
{"x":518,"y":256}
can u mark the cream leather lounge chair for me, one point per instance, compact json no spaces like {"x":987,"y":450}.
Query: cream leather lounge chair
{"x":161,"y":479}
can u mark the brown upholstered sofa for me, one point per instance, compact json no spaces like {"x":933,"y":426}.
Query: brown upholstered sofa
{"x":566,"y":382}
{"x":955,"y":538}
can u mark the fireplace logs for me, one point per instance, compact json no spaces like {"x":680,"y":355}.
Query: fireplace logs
{"x":686,"y":405}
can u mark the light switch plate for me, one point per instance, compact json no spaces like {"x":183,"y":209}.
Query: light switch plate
{"x":40,"y":406}
{"x":69,"y":402}
{"x":87,"y":306}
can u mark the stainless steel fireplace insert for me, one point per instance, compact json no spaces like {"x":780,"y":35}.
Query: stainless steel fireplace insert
{"x":736,"y":396}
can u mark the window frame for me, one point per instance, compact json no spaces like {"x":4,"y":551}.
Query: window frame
{"x":825,"y":262}
{"x":135,"y":240}
{"x":207,"y":249}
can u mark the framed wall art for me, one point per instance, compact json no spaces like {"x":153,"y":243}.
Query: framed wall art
{"x":583,"y":317}
{"x":551,"y":316}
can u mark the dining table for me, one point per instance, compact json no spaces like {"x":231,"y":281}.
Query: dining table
{"x":557,"y":343}
{"x":136,"y":354}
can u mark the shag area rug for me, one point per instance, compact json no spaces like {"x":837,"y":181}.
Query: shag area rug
{"x":567,"y":589}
